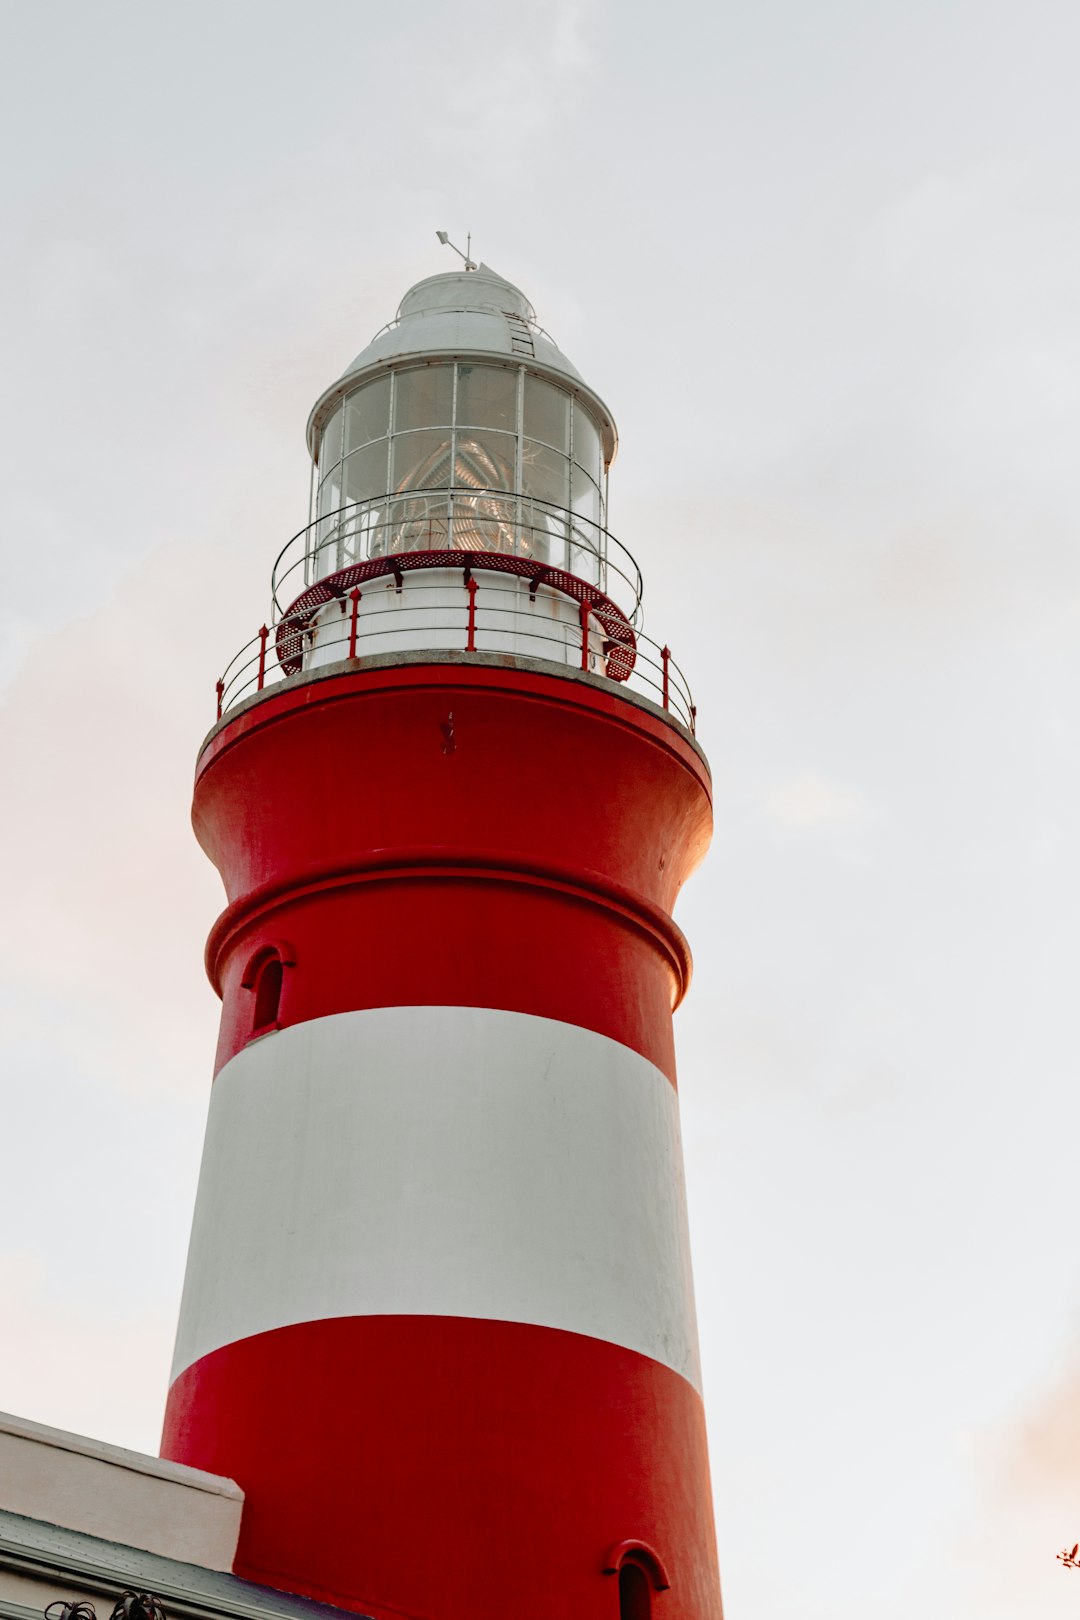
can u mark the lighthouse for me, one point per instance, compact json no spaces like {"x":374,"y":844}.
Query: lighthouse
{"x":438,"y":1318}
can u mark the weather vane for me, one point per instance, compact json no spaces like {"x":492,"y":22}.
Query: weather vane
{"x":467,"y":255}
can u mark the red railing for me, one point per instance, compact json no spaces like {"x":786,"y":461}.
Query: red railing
{"x":532,"y":615}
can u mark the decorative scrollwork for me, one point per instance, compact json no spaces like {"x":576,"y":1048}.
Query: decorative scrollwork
{"x":138,"y":1606}
{"x":59,"y":1610}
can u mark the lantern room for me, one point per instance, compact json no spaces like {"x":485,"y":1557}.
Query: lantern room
{"x":461,"y":426}
{"x":459,"y":503}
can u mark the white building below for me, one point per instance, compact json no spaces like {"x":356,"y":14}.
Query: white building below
{"x":84,"y":1522}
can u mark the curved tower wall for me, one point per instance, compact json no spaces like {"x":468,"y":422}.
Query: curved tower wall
{"x":438,"y":1319}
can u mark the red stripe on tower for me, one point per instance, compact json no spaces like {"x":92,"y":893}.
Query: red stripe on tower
{"x":438,"y":1319}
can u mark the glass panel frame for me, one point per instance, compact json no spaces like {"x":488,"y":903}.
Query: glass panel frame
{"x":485,"y":459}
{"x":420,"y":459}
{"x":586,"y":443}
{"x":367,"y":414}
{"x":487,"y":397}
{"x":584,"y":495}
{"x":474,"y":427}
{"x":365,"y":473}
{"x":330,"y":444}
{"x":545,"y":473}
{"x":546,"y":414}
{"x":423,"y":397}
{"x":330,"y":492}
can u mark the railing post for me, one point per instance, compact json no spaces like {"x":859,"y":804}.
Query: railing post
{"x":263,"y":633}
{"x":585,"y":635}
{"x":354,"y":598}
{"x":693,"y":719}
{"x":665,"y":654}
{"x":470,"y":586}
{"x":220,"y":697}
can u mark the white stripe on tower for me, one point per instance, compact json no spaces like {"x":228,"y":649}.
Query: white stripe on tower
{"x":442,"y":1161}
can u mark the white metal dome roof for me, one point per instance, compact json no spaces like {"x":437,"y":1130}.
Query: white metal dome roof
{"x":461,"y":313}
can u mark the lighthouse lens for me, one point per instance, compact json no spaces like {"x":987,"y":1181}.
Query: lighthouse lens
{"x":471,"y":457}
{"x":421,"y":460}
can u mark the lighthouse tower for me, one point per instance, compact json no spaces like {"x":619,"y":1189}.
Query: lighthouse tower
{"x":438,"y":1320}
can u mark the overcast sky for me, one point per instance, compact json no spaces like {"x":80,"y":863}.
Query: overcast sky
{"x":822,"y":260}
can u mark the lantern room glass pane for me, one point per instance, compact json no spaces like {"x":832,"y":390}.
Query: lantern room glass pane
{"x":367,"y":414}
{"x":484,"y":460}
{"x":586,"y":442}
{"x":421,"y":460}
{"x":325,"y":548}
{"x":487,"y":397}
{"x":330,"y":493}
{"x":547,"y":413}
{"x":545,"y":473}
{"x":583,"y":554}
{"x":585,"y":498}
{"x":374,"y":529}
{"x":423,"y":397}
{"x":581,"y":559}
{"x":365,"y":472}
{"x":361,"y":531}
{"x":330,"y":443}
{"x":542,"y":534}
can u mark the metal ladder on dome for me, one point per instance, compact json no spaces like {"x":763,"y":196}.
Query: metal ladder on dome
{"x":521,"y":338}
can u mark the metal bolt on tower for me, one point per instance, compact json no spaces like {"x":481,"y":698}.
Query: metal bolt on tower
{"x":438,"y":1318}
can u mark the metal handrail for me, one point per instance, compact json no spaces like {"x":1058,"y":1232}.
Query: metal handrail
{"x":639,"y":663}
{"x":465,"y":309}
{"x":372,"y":522}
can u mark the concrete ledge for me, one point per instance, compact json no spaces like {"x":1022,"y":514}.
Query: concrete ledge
{"x":443,"y":658}
{"x":122,"y":1496}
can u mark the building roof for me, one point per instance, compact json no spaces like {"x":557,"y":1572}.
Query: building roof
{"x":464,"y":310}
{"x":51,"y":1561}
{"x":465,"y":314}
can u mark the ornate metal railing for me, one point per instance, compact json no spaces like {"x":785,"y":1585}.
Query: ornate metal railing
{"x":128,"y":1606}
{"x":520,"y":608}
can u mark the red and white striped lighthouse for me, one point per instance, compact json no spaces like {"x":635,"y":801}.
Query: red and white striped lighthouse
{"x":438,"y":1319}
